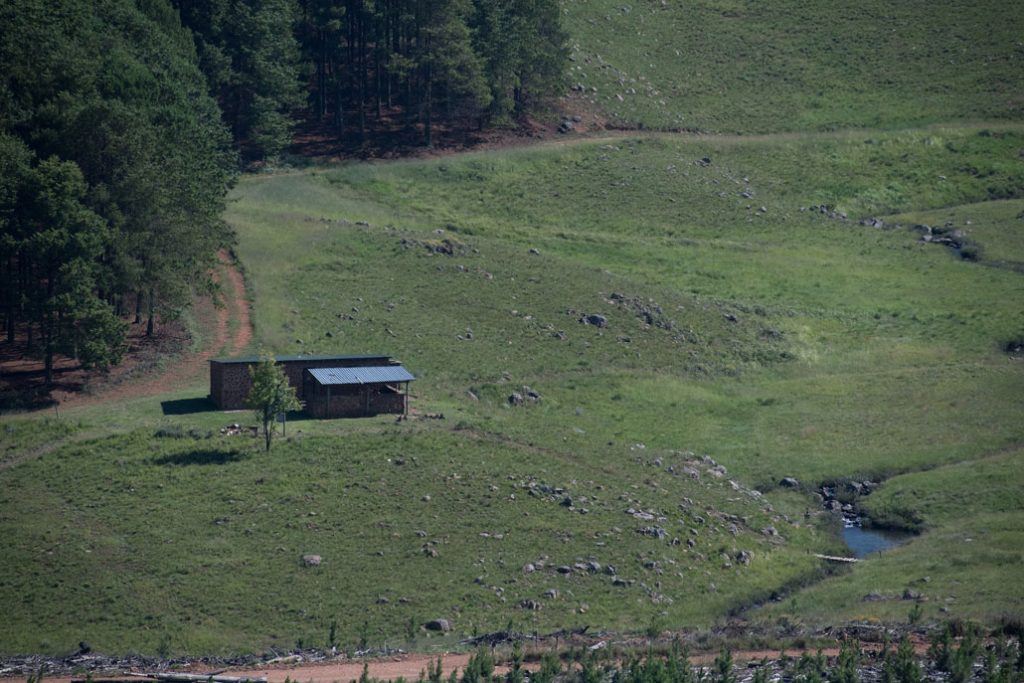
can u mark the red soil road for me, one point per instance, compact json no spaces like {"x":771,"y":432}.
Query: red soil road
{"x":191,"y":366}
{"x":409,"y":666}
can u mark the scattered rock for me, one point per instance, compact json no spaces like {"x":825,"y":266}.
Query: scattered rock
{"x":311,"y":560}
{"x":744,"y":557}
{"x":531,"y":605}
{"x":828,"y":211}
{"x":551,"y":594}
{"x":444,"y":247}
{"x":529,"y":568}
{"x":441,"y":625}
{"x":789,"y":482}
{"x":564,"y":569}
{"x":595,"y":319}
{"x":524,"y":395}
{"x":653,"y":531}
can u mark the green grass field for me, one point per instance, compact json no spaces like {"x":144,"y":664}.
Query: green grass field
{"x":732,"y":66}
{"x":746,"y":325}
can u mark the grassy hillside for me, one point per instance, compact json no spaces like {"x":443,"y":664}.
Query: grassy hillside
{"x":963,"y":564}
{"x":734,"y":66}
{"x":778,"y":339}
{"x":800,"y":343}
{"x":195,"y":545}
{"x":770,"y":309}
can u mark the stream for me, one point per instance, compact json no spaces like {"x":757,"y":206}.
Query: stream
{"x":860,"y":540}
{"x":863,"y":542}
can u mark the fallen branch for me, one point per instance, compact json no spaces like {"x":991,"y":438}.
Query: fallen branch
{"x":833,"y":558}
{"x":199,"y":678}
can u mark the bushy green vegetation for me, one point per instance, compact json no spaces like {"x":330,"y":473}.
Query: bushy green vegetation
{"x":728,"y":66}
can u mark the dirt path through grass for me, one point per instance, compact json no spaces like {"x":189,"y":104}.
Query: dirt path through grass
{"x":231,"y":334}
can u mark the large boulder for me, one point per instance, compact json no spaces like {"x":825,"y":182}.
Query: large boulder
{"x":441,"y":625}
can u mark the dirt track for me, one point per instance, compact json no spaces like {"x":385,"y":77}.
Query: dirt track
{"x":225,"y":340}
{"x":409,"y":666}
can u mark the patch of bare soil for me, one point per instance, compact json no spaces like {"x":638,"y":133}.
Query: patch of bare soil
{"x":144,"y":370}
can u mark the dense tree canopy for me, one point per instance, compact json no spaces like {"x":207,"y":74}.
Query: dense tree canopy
{"x":467,"y":62}
{"x":250,"y":57}
{"x":117,"y":119}
{"x":115,"y":167}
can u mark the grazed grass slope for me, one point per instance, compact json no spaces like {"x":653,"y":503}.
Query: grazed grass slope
{"x":812,"y":346}
{"x":195,"y":545}
{"x":735,"y":66}
{"x":779,"y":341}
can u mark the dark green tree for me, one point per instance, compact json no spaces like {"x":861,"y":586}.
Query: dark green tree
{"x":56,"y":241}
{"x":250,"y":55}
{"x":118,"y":167}
{"x":449,"y":64}
{"x":525,"y":51}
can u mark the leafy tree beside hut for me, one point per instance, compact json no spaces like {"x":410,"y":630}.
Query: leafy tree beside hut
{"x":271,"y":394}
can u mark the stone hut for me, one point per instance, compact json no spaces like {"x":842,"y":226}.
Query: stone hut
{"x":230,"y":381}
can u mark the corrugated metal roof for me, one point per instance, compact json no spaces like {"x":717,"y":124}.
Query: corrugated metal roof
{"x":284,"y":359}
{"x":368,"y":375}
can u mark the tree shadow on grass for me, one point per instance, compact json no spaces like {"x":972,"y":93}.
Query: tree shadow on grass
{"x":187,"y":406}
{"x":201,"y":457}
